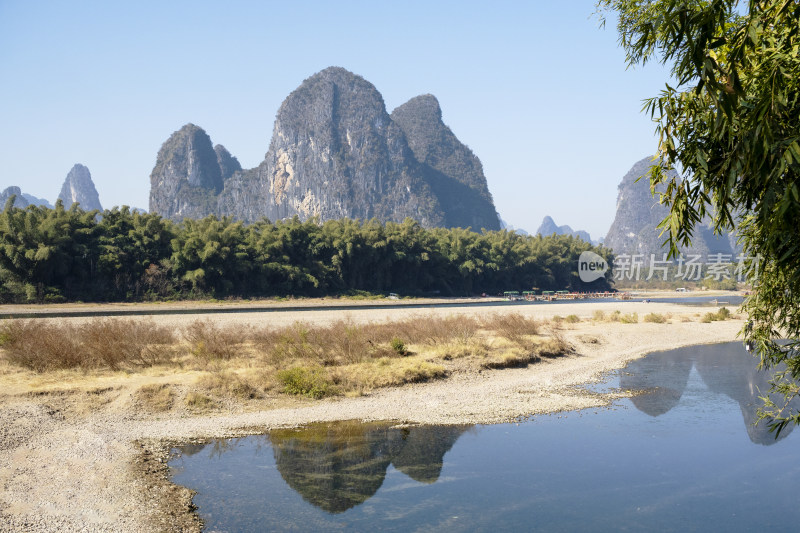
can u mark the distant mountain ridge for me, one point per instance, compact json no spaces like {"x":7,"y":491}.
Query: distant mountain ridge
{"x":549,"y":227}
{"x":78,"y":187}
{"x":335,"y":152}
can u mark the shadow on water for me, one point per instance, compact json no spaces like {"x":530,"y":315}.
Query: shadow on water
{"x":725,"y":368}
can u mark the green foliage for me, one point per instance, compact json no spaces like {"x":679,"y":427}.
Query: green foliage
{"x":731,"y":125}
{"x":398,"y":346}
{"x":58,"y":254}
{"x":722,"y":314}
{"x":303,"y":381}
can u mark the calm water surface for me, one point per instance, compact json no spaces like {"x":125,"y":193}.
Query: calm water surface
{"x":684,"y":457}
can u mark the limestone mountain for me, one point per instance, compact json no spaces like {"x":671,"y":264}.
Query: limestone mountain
{"x":8,"y":192}
{"x":454,"y":172}
{"x":187,"y":177}
{"x":335,"y":152}
{"x":634,"y":230}
{"x":549,"y":227}
{"x":79,"y":187}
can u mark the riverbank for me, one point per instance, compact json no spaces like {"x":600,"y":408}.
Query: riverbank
{"x":90,"y":456}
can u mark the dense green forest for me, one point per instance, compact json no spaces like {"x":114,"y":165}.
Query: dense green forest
{"x":51,"y":255}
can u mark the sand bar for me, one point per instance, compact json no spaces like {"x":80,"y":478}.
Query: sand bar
{"x":94,"y":462}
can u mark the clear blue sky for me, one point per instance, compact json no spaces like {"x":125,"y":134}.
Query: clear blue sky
{"x":536,"y":89}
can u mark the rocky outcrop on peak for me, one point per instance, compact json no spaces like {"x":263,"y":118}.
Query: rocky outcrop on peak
{"x":227,"y":163}
{"x":79,"y":188}
{"x":187,"y":177}
{"x":549,"y":227}
{"x":635,"y":227}
{"x":335,"y":153}
{"x":455,"y":173}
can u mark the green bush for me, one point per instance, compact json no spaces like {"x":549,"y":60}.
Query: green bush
{"x":723,"y":314}
{"x":303,"y":381}
{"x":398,"y":346}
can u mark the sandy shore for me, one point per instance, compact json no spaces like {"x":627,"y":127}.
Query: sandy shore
{"x":92,"y":461}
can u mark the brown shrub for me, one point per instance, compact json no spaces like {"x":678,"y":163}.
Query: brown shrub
{"x":114,"y":343}
{"x":511,"y":326}
{"x":101,"y":343}
{"x":210,"y":341}
{"x":41,"y":346}
{"x":426,"y":329}
{"x":555,"y":345}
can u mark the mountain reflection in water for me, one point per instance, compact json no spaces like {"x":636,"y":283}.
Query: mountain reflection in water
{"x":336,"y":466}
{"x":724,"y":368}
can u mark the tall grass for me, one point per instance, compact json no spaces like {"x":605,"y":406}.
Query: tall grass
{"x":209,"y":341}
{"x":241,"y":362}
{"x":512,"y":326}
{"x":100,"y":343}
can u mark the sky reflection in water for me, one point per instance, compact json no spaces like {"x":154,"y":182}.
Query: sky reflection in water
{"x":685,"y":457}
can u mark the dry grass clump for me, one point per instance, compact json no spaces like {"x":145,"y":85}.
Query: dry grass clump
{"x":156,"y":398}
{"x":427,"y":329}
{"x":229,"y":384}
{"x":598,"y":316}
{"x":655,"y":318}
{"x":632,"y":318}
{"x":197,"y":401}
{"x":477,"y":347}
{"x":531,"y":350}
{"x":722,"y":314}
{"x":385,"y":373}
{"x":342,"y":342}
{"x":511,"y":358}
{"x":100,"y":343}
{"x":511,"y":326}
{"x":555,"y":345}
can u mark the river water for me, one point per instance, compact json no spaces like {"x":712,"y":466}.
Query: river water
{"x":686,"y":455}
